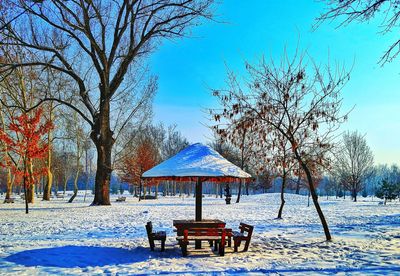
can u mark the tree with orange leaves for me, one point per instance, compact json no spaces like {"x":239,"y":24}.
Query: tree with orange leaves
{"x":28,"y":144}
{"x":143,"y":158}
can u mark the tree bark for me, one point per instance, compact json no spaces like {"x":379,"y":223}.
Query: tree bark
{"x":282,"y":196}
{"x":315,"y":200}
{"x":31,"y":188}
{"x":102,"y":136}
{"x":9,"y":184}
{"x":239,"y":192}
{"x":298,"y":186}
{"x":75,"y":187}
{"x":9,"y":181}
{"x":49,"y":182}
{"x":140,"y":189}
{"x":354,"y":195}
{"x":25,"y":189}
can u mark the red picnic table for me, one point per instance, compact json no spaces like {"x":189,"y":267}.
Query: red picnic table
{"x":181,"y":225}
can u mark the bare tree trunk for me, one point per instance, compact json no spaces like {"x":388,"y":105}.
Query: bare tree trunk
{"x":282,"y":195}
{"x":140,"y":189}
{"x":298,"y":186}
{"x":31,"y":188}
{"x":25,"y":189}
{"x":49,"y":182}
{"x":315,"y":199}
{"x":9,"y":184}
{"x":75,"y":186}
{"x":355,"y":195}
{"x":239,"y":192}
{"x":65,"y":184}
{"x":9,"y":181}
{"x":102,"y":136}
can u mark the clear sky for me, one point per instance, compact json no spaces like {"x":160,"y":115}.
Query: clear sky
{"x":188,"y":68}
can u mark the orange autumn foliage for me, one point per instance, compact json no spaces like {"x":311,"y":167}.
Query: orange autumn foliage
{"x":27,"y":143}
{"x":142,"y":159}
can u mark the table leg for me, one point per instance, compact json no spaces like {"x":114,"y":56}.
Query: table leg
{"x":197,"y":245}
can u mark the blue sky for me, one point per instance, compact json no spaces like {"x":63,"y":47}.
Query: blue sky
{"x":189,"y":67}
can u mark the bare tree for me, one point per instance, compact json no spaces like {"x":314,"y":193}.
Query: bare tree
{"x":98,"y":45}
{"x":174,"y":142}
{"x":79,"y":137}
{"x":354,"y":162}
{"x":349,"y":11}
{"x":287,"y":101}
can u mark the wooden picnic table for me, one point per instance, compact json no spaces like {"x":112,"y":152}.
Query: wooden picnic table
{"x":181,"y":225}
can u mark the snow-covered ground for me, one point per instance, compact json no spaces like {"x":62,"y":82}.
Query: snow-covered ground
{"x":61,"y":238}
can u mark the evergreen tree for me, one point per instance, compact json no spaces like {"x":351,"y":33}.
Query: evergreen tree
{"x":387,"y":191}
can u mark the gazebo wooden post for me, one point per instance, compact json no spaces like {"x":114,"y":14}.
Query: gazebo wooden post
{"x":199,"y":198}
{"x":199,"y":195}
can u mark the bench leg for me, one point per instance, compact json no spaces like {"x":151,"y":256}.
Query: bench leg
{"x":162,"y":245}
{"x":211,"y":243}
{"x":246,"y":246}
{"x":152,"y":245}
{"x":215,"y":246}
{"x":184,"y":249}
{"x":236,"y":244}
{"x":197,"y":245}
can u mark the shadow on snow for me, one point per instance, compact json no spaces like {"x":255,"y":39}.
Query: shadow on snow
{"x":80,"y":256}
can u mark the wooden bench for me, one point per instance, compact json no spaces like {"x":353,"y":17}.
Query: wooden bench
{"x":246,"y":231}
{"x":9,"y":200}
{"x":121,"y":199}
{"x":153,"y":236}
{"x":213,"y":235}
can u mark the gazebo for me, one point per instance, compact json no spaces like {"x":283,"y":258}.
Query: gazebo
{"x":197,"y":163}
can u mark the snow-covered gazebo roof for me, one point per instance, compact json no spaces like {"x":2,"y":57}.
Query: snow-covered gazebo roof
{"x":195,"y":161}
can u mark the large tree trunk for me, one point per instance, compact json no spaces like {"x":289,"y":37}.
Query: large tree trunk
{"x":282,"y":196}
{"x":102,"y":136}
{"x":9,"y":181}
{"x":355,"y":195}
{"x":103,"y":174}
{"x":9,"y":184}
{"x":48,"y":185}
{"x":49,"y":182}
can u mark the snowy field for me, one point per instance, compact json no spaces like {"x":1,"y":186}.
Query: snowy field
{"x":70,"y":239}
